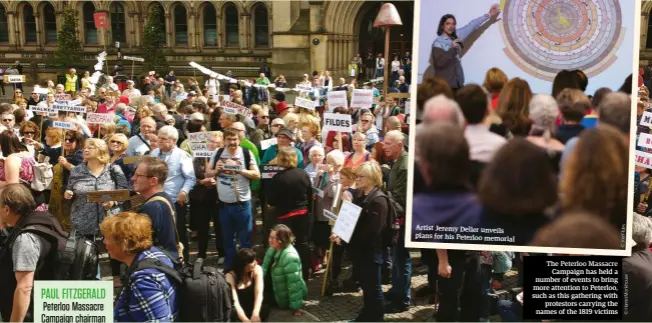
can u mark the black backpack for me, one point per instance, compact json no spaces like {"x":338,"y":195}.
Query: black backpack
{"x":204,"y":293}
{"x":245,"y":152}
{"x":75,"y":258}
{"x":395,"y":212}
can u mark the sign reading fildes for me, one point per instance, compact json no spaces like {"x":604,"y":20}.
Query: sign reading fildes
{"x":73,"y":301}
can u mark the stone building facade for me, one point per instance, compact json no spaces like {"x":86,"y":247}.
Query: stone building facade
{"x":293,"y":37}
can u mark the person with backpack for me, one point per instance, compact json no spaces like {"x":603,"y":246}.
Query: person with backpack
{"x":25,"y":255}
{"x":367,"y":241}
{"x":18,"y":166}
{"x":148,"y":295}
{"x":233,"y":168}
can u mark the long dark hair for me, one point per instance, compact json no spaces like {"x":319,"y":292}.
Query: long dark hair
{"x":10,"y":144}
{"x":440,"y":29}
{"x":244,"y":257}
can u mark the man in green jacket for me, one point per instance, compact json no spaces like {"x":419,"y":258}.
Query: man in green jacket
{"x":399,"y":295}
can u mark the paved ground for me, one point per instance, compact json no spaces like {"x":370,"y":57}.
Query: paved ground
{"x":342,"y":307}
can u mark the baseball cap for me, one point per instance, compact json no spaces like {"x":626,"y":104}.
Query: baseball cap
{"x":285,"y":132}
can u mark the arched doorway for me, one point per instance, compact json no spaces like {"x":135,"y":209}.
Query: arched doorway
{"x":373,"y":39}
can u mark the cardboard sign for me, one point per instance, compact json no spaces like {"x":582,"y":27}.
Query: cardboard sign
{"x":645,"y":140}
{"x":129,"y":160}
{"x":304,"y":103}
{"x":136,"y":202}
{"x":336,"y":99}
{"x":241,"y":109}
{"x":100,"y":20}
{"x":347,"y":220}
{"x":398,"y":95}
{"x":267,"y":143}
{"x":63,"y":125}
{"x":304,"y":88}
{"x":15,"y":78}
{"x":106,"y":196}
{"x":268,"y":171}
{"x":38,"y":108}
{"x":202,"y":153}
{"x":100,"y":118}
{"x":233,"y":111}
{"x":337,"y":122}
{"x":232,"y":167}
{"x":62,"y":97}
{"x":69,"y":108}
{"x":362,"y":98}
{"x":643,"y":159}
{"x":330,"y":215}
{"x":131,"y":58}
{"x":199,"y":136}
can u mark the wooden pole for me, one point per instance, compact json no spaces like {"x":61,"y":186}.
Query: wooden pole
{"x":63,"y":144}
{"x":386,"y":72}
{"x":336,"y":209}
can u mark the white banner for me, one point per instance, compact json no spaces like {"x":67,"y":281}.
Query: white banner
{"x":131,"y":58}
{"x":644,"y":159}
{"x":203,"y":154}
{"x":62,"y":125}
{"x":76,"y":109}
{"x":230,"y":110}
{"x":336,"y":99}
{"x":362,"y":98}
{"x":100,"y":118}
{"x":241,"y":109}
{"x":199,"y":136}
{"x":337,"y":122}
{"x":304,"y":103}
{"x":303,"y":88}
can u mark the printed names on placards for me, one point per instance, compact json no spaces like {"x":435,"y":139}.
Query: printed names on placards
{"x":241,"y":109}
{"x":100,"y":118}
{"x":304,"y":103}
{"x":362,"y":98}
{"x":40,"y":109}
{"x":70,"y":108}
{"x":336,"y":99}
{"x":268,"y":171}
{"x":63,"y":125}
{"x":643,"y":159}
{"x":131,"y":58}
{"x":15,"y":78}
{"x":198,"y":142}
{"x":646,"y":119}
{"x":73,"y":301}
{"x":337,"y":122}
{"x":572,"y":288}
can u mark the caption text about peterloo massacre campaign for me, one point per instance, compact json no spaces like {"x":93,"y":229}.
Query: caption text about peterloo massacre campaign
{"x":73,"y":301}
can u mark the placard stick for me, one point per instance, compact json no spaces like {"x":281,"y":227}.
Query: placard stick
{"x":63,"y":144}
{"x":336,"y":207}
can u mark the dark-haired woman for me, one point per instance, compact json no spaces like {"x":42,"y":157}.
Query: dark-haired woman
{"x":17,"y":167}
{"x":72,"y":150}
{"x":247,"y":286}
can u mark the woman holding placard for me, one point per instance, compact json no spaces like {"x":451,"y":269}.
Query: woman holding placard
{"x":366,"y":244}
{"x":71,"y":157}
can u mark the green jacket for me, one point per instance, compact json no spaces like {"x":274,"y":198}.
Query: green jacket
{"x":287,"y":278}
{"x":245,"y":143}
{"x":398,"y":179}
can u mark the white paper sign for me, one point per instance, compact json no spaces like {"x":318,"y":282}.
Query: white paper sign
{"x":224,"y":98}
{"x":199,"y":136}
{"x":336,"y":99}
{"x":330,"y":215}
{"x":241,"y":109}
{"x":303,"y":88}
{"x":76,"y":109}
{"x":268,"y":171}
{"x":62,"y":125}
{"x":100,"y":118}
{"x":267,"y":143}
{"x":182,"y":96}
{"x":407,"y":107}
{"x":362,"y":98}
{"x":38,"y":108}
{"x":203,"y":154}
{"x":318,"y":192}
{"x":304,"y":103}
{"x":41,"y":90}
{"x":62,"y":97}
{"x":15,"y":78}
{"x":74,"y":102}
{"x":646,"y":120}
{"x":131,"y":58}
{"x":346,"y":220}
{"x":337,"y":122}
{"x":198,"y":146}
{"x":643,"y":159}
{"x":645,"y":140}
{"x":230,"y":110}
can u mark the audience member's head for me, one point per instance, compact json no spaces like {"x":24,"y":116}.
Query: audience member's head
{"x":578,"y":230}
{"x":474,"y":103}
{"x":615,"y":110}
{"x":544,"y":112}
{"x":513,"y":104}
{"x":443,"y":109}
{"x":494,"y":80}
{"x":442,"y":156}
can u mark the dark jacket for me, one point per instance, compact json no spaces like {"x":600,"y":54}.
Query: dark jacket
{"x":367,"y":235}
{"x":567,"y":131}
{"x":397,"y":185}
{"x":447,"y":66}
{"x":290,"y":190}
{"x":522,"y":227}
{"x":639,"y":285}
{"x":447,"y":209}
{"x":162,"y":222}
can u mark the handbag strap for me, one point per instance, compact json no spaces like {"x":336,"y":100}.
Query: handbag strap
{"x":174,"y":220}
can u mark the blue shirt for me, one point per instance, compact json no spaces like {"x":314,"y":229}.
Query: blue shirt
{"x":152,"y":295}
{"x":137,"y":145}
{"x":162,"y":222}
{"x":181,"y":173}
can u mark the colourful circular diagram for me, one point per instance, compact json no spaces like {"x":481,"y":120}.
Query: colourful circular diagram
{"x":543,"y":37}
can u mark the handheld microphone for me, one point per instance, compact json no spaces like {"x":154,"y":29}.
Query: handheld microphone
{"x":454,"y":37}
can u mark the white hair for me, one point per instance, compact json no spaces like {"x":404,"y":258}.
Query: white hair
{"x":443,"y":109}
{"x":641,"y":229}
{"x":170,"y":132}
{"x":543,"y":112}
{"x":396,"y":135}
{"x":336,"y":156}
{"x":314,"y":148}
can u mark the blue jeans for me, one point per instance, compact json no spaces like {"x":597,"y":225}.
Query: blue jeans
{"x":235,"y":219}
{"x":368,"y":263}
{"x":380,"y":72}
{"x":401,"y":272}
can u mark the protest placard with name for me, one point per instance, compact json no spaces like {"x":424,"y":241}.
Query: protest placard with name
{"x":267,"y":143}
{"x":646,"y":119}
{"x":303,"y":88}
{"x":131,"y":58}
{"x":41,"y":90}
{"x":62,"y":97}
{"x":268,"y":171}
{"x":336,"y":99}
{"x":198,"y":146}
{"x":304,"y":103}
{"x":69,"y":108}
{"x":337,"y":122}
{"x":643,"y":159}
{"x":100,"y":118}
{"x":645,"y":140}
{"x":15,"y":78}
{"x":241,"y":109}
{"x":330,"y":215}
{"x":230,"y":110}
{"x":106,"y":196}
{"x":199,"y":136}
{"x":202,"y":153}
{"x":38,"y":108}
{"x":63,"y":125}
{"x":362,"y":98}
{"x":347,"y":220}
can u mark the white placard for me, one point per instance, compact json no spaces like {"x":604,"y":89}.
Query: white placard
{"x":330,"y":215}
{"x":74,"y":102}
{"x":38,"y":108}
{"x":198,"y":146}
{"x":407,"y":107}
{"x":346,"y":220}
{"x":100,"y":118}
{"x":362,"y":98}
{"x":303,"y":88}
{"x":267,"y":143}
{"x":69,"y":108}
{"x":646,"y":120}
{"x":337,"y":122}
{"x":15,"y":78}
{"x":268,"y":171}
{"x":336,"y":99}
{"x":232,"y":167}
{"x":62,"y":97}
{"x":41,"y":90}
{"x":199,"y":136}
{"x":203,"y":154}
{"x":304,"y":103}
{"x":63,"y":125}
{"x":181,"y":96}
{"x":224,"y":97}
{"x":643,"y":159}
{"x":645,"y":140}
{"x":230,"y":110}
{"x":131,"y":58}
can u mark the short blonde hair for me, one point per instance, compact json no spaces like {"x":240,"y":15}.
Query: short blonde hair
{"x":287,"y":157}
{"x":108,"y":128}
{"x":216,"y":134}
{"x":121,"y":138}
{"x":102,"y":149}
{"x":255,"y":109}
{"x":147,"y":111}
{"x":312,"y":122}
{"x":291,"y":117}
{"x":372,"y":173}
{"x":130,"y":231}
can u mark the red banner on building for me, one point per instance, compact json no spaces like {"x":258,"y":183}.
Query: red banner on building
{"x":100,"y":20}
